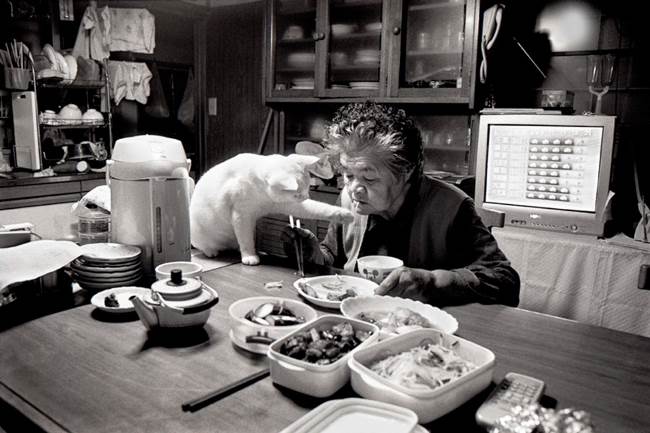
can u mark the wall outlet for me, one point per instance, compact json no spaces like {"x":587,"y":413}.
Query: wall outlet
{"x":212,"y":106}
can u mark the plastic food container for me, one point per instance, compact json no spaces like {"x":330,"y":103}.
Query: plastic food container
{"x":355,"y":415}
{"x":309,"y":378}
{"x":428,"y":405}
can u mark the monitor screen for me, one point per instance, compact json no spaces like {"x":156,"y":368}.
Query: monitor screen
{"x":546,"y":171}
{"x":554,"y":167}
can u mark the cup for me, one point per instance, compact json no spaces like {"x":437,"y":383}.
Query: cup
{"x":376,"y":268}
{"x":17,"y":79}
{"x":190,"y":270}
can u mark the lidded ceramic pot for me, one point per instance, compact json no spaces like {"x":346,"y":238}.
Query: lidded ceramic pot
{"x":176,"y":302}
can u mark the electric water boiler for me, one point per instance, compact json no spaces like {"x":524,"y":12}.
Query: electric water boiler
{"x":150,"y":198}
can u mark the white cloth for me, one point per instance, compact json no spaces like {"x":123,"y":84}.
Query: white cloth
{"x":92,"y":36}
{"x":129,"y":80}
{"x":132,"y":30}
{"x":580,"y":277}
{"x":114,"y":29}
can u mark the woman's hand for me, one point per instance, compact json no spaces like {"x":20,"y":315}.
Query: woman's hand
{"x":310,"y":244}
{"x":417,"y":284}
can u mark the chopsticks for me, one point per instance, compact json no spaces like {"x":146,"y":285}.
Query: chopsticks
{"x":16,"y":55}
{"x":297,"y":244}
{"x":201,"y":402}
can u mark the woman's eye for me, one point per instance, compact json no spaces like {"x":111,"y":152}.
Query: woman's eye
{"x":369,"y":180}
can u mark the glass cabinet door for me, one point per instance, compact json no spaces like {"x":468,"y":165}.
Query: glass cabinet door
{"x":436,"y":49}
{"x":352,"y":51}
{"x":293,"y":40}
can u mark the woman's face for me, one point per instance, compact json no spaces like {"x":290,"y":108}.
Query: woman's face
{"x":372,"y":187}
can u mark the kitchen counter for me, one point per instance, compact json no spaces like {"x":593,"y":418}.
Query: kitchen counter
{"x":79,"y":370}
{"x":26,"y":190}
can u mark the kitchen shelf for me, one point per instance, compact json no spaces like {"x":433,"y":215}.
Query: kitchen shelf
{"x":432,"y":53}
{"x":296,"y":41}
{"x":45,"y":125}
{"x":431,"y":6}
{"x":73,"y":85}
{"x":357,"y":35}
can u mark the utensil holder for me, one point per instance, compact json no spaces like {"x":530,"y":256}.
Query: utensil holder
{"x":17,"y":79}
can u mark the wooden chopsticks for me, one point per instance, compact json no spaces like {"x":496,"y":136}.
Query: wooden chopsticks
{"x":297,"y":244}
{"x":196,"y":404}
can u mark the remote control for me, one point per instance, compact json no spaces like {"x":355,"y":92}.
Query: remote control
{"x":515,"y":389}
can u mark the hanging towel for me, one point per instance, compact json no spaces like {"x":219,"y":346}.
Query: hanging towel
{"x":129,"y":80}
{"x":92,"y":36}
{"x":132,"y":30}
{"x":157,"y":106}
{"x":186,"y":109}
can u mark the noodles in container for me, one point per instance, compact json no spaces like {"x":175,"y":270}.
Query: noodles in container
{"x":425,"y":370}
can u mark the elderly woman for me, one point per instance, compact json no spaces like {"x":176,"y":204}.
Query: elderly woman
{"x":450,"y":257}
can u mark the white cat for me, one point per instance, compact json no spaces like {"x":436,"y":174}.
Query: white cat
{"x":230,"y":197}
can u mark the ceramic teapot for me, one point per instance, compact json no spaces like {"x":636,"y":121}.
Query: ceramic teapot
{"x":176,"y":302}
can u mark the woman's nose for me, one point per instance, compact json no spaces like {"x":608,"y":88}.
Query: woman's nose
{"x":356,"y":186}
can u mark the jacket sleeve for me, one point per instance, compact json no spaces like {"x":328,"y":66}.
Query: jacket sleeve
{"x":484,"y":271}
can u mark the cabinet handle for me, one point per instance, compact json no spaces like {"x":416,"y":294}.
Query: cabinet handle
{"x":318,"y":36}
{"x":396,"y":30}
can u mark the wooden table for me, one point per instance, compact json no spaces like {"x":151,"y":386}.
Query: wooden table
{"x":81,"y":371}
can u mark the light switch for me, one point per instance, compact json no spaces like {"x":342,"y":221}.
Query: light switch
{"x":212,"y":106}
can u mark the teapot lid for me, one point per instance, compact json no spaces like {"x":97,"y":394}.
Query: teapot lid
{"x":177,"y":288}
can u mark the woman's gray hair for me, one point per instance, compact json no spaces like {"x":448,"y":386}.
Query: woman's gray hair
{"x":377,"y":132}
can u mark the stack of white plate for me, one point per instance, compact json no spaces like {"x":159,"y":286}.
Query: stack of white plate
{"x":107,"y":265}
{"x":367,"y":85}
{"x":302,"y":83}
{"x":367,"y":57}
{"x":301,"y":59}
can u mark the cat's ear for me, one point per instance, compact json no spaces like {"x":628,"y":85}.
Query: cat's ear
{"x":318,"y":165}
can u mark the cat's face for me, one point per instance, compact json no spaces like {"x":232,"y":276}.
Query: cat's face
{"x":289,"y":182}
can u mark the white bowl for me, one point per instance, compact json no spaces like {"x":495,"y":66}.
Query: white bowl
{"x":70,"y":112}
{"x":428,"y":405}
{"x":343,"y":29}
{"x":255,"y":337}
{"x":92,"y":114}
{"x":439,"y":319}
{"x":376,"y":268}
{"x":313,"y":379}
{"x":190,"y":270}
{"x":301,"y":59}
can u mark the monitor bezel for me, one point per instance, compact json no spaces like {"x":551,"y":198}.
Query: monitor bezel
{"x":583,"y":222}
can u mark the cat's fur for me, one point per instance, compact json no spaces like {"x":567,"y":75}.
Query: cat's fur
{"x":231,"y":196}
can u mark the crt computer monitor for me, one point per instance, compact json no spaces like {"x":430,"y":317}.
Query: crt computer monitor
{"x":546,"y":171}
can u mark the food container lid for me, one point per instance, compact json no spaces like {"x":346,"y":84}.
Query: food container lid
{"x":355,"y":415}
{"x":178,"y":288}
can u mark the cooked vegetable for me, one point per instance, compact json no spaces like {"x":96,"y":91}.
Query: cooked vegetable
{"x":324,"y":346}
{"x":399,"y":321}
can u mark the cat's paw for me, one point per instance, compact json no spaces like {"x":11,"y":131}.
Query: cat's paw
{"x":342,"y":216}
{"x":251,"y":260}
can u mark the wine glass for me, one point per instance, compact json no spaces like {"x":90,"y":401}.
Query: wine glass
{"x":600,"y":72}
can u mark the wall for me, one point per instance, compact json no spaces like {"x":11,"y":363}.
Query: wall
{"x":235,"y":77}
{"x":50,"y":222}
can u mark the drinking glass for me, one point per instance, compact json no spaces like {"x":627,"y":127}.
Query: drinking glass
{"x":600,"y":72}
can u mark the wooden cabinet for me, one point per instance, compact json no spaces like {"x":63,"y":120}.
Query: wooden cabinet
{"x":419,"y":54}
{"x":389,"y":50}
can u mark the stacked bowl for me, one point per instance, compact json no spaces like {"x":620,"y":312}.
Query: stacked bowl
{"x":107,"y":265}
